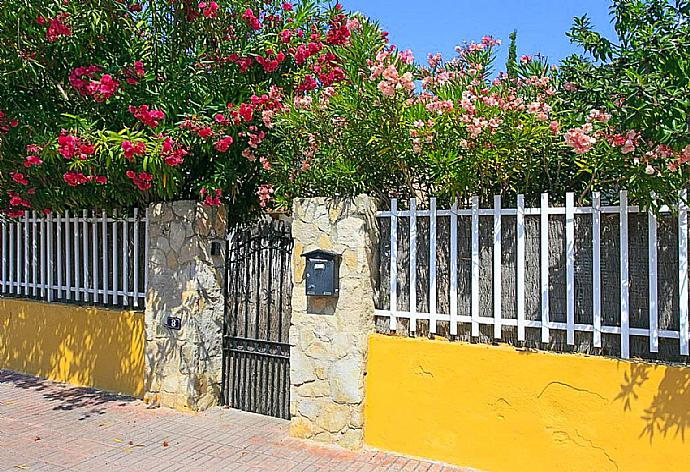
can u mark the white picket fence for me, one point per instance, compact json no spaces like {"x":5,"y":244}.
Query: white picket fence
{"x":544,"y":211}
{"x":80,"y":257}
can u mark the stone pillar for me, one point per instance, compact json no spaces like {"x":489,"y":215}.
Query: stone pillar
{"x":328,"y":336}
{"x":183,"y":368}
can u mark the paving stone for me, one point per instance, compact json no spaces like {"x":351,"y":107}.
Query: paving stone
{"x":87,"y":430}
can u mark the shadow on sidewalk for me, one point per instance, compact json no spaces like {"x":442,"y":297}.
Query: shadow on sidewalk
{"x":66,"y":397}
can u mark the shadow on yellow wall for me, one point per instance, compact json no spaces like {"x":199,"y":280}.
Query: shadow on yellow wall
{"x":499,"y":409}
{"x":83,"y":346}
{"x":668,"y":412}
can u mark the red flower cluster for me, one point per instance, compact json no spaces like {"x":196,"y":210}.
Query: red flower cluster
{"x":271,"y":62}
{"x":142,"y":180}
{"x":251,"y":20}
{"x":305,"y":51}
{"x":18,"y":203}
{"x":223,"y":144}
{"x":338,"y":32}
{"x":70,"y":147}
{"x":130,"y":149}
{"x":82,"y":79}
{"x":308,"y":84}
{"x":172,"y":153}
{"x":19,"y":178}
{"x":328,"y":70}
{"x":32,"y":160}
{"x":211,"y":199}
{"x":149,"y":117}
{"x":132,"y":74}
{"x":74,"y":179}
{"x":209,"y":9}
{"x":56,"y":27}
{"x":6,"y":123}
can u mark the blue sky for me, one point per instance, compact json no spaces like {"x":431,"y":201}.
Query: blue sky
{"x":438,"y":25}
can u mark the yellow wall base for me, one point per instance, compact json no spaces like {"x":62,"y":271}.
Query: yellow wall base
{"x":82,"y":346}
{"x":499,"y":409}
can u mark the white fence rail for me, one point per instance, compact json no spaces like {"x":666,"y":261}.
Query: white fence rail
{"x":79,"y":257}
{"x":472,"y":315}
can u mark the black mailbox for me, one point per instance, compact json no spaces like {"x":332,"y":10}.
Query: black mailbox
{"x":322,"y":273}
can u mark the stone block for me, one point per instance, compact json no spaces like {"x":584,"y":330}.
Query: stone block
{"x":183,"y":368}
{"x":328,"y":336}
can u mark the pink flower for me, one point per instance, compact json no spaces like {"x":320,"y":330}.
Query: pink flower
{"x":149,"y":117}
{"x":32,"y":160}
{"x":434,"y":60}
{"x":353,"y":24}
{"x":251,"y":20}
{"x":172,"y":153}
{"x":553,"y":127}
{"x":630,"y":142}
{"x":205,"y":132}
{"x":209,"y":9}
{"x":56,"y":27}
{"x":406,"y":56}
{"x":132,"y":149}
{"x":142,"y":180}
{"x":73,"y":179}
{"x":223,"y":144}
{"x":264,"y":193}
{"x":579,"y":140}
{"x":598,"y":115}
{"x":19,"y":178}
{"x":209,"y":199}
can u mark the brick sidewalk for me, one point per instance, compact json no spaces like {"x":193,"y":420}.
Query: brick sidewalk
{"x":46,"y":426}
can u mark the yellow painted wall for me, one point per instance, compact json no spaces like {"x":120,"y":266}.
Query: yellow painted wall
{"x":498,"y":409}
{"x":83,"y":346}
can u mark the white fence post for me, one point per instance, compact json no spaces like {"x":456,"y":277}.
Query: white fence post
{"x":596,"y":268}
{"x":475,"y":266}
{"x":683,"y":272}
{"x":570,"y":267}
{"x":497,"y":267}
{"x":394,"y":266}
{"x":520,"y":267}
{"x":48,"y":258}
{"x":544,"y":258}
{"x":625,"y":282}
{"x":454,"y":269}
{"x":653,"y":308}
{"x":432,"y":267}
{"x":413,"y":265}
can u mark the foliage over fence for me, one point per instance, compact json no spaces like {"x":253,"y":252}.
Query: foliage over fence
{"x":118,"y":102}
{"x":108,"y":103}
{"x":595,"y":125}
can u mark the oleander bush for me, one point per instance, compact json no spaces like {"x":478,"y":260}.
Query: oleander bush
{"x":456,"y":128}
{"x":112,"y":103}
{"x":107,"y":103}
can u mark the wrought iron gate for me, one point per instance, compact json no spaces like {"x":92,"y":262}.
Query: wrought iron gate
{"x":256,"y":351}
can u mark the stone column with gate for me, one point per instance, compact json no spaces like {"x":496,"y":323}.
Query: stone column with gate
{"x":329,"y":335}
{"x":185,"y":282}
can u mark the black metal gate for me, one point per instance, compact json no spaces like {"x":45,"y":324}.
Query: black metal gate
{"x":256,"y":351}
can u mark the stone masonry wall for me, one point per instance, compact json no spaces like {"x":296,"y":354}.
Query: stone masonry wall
{"x":328,"y":336}
{"x":183,"y":368}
